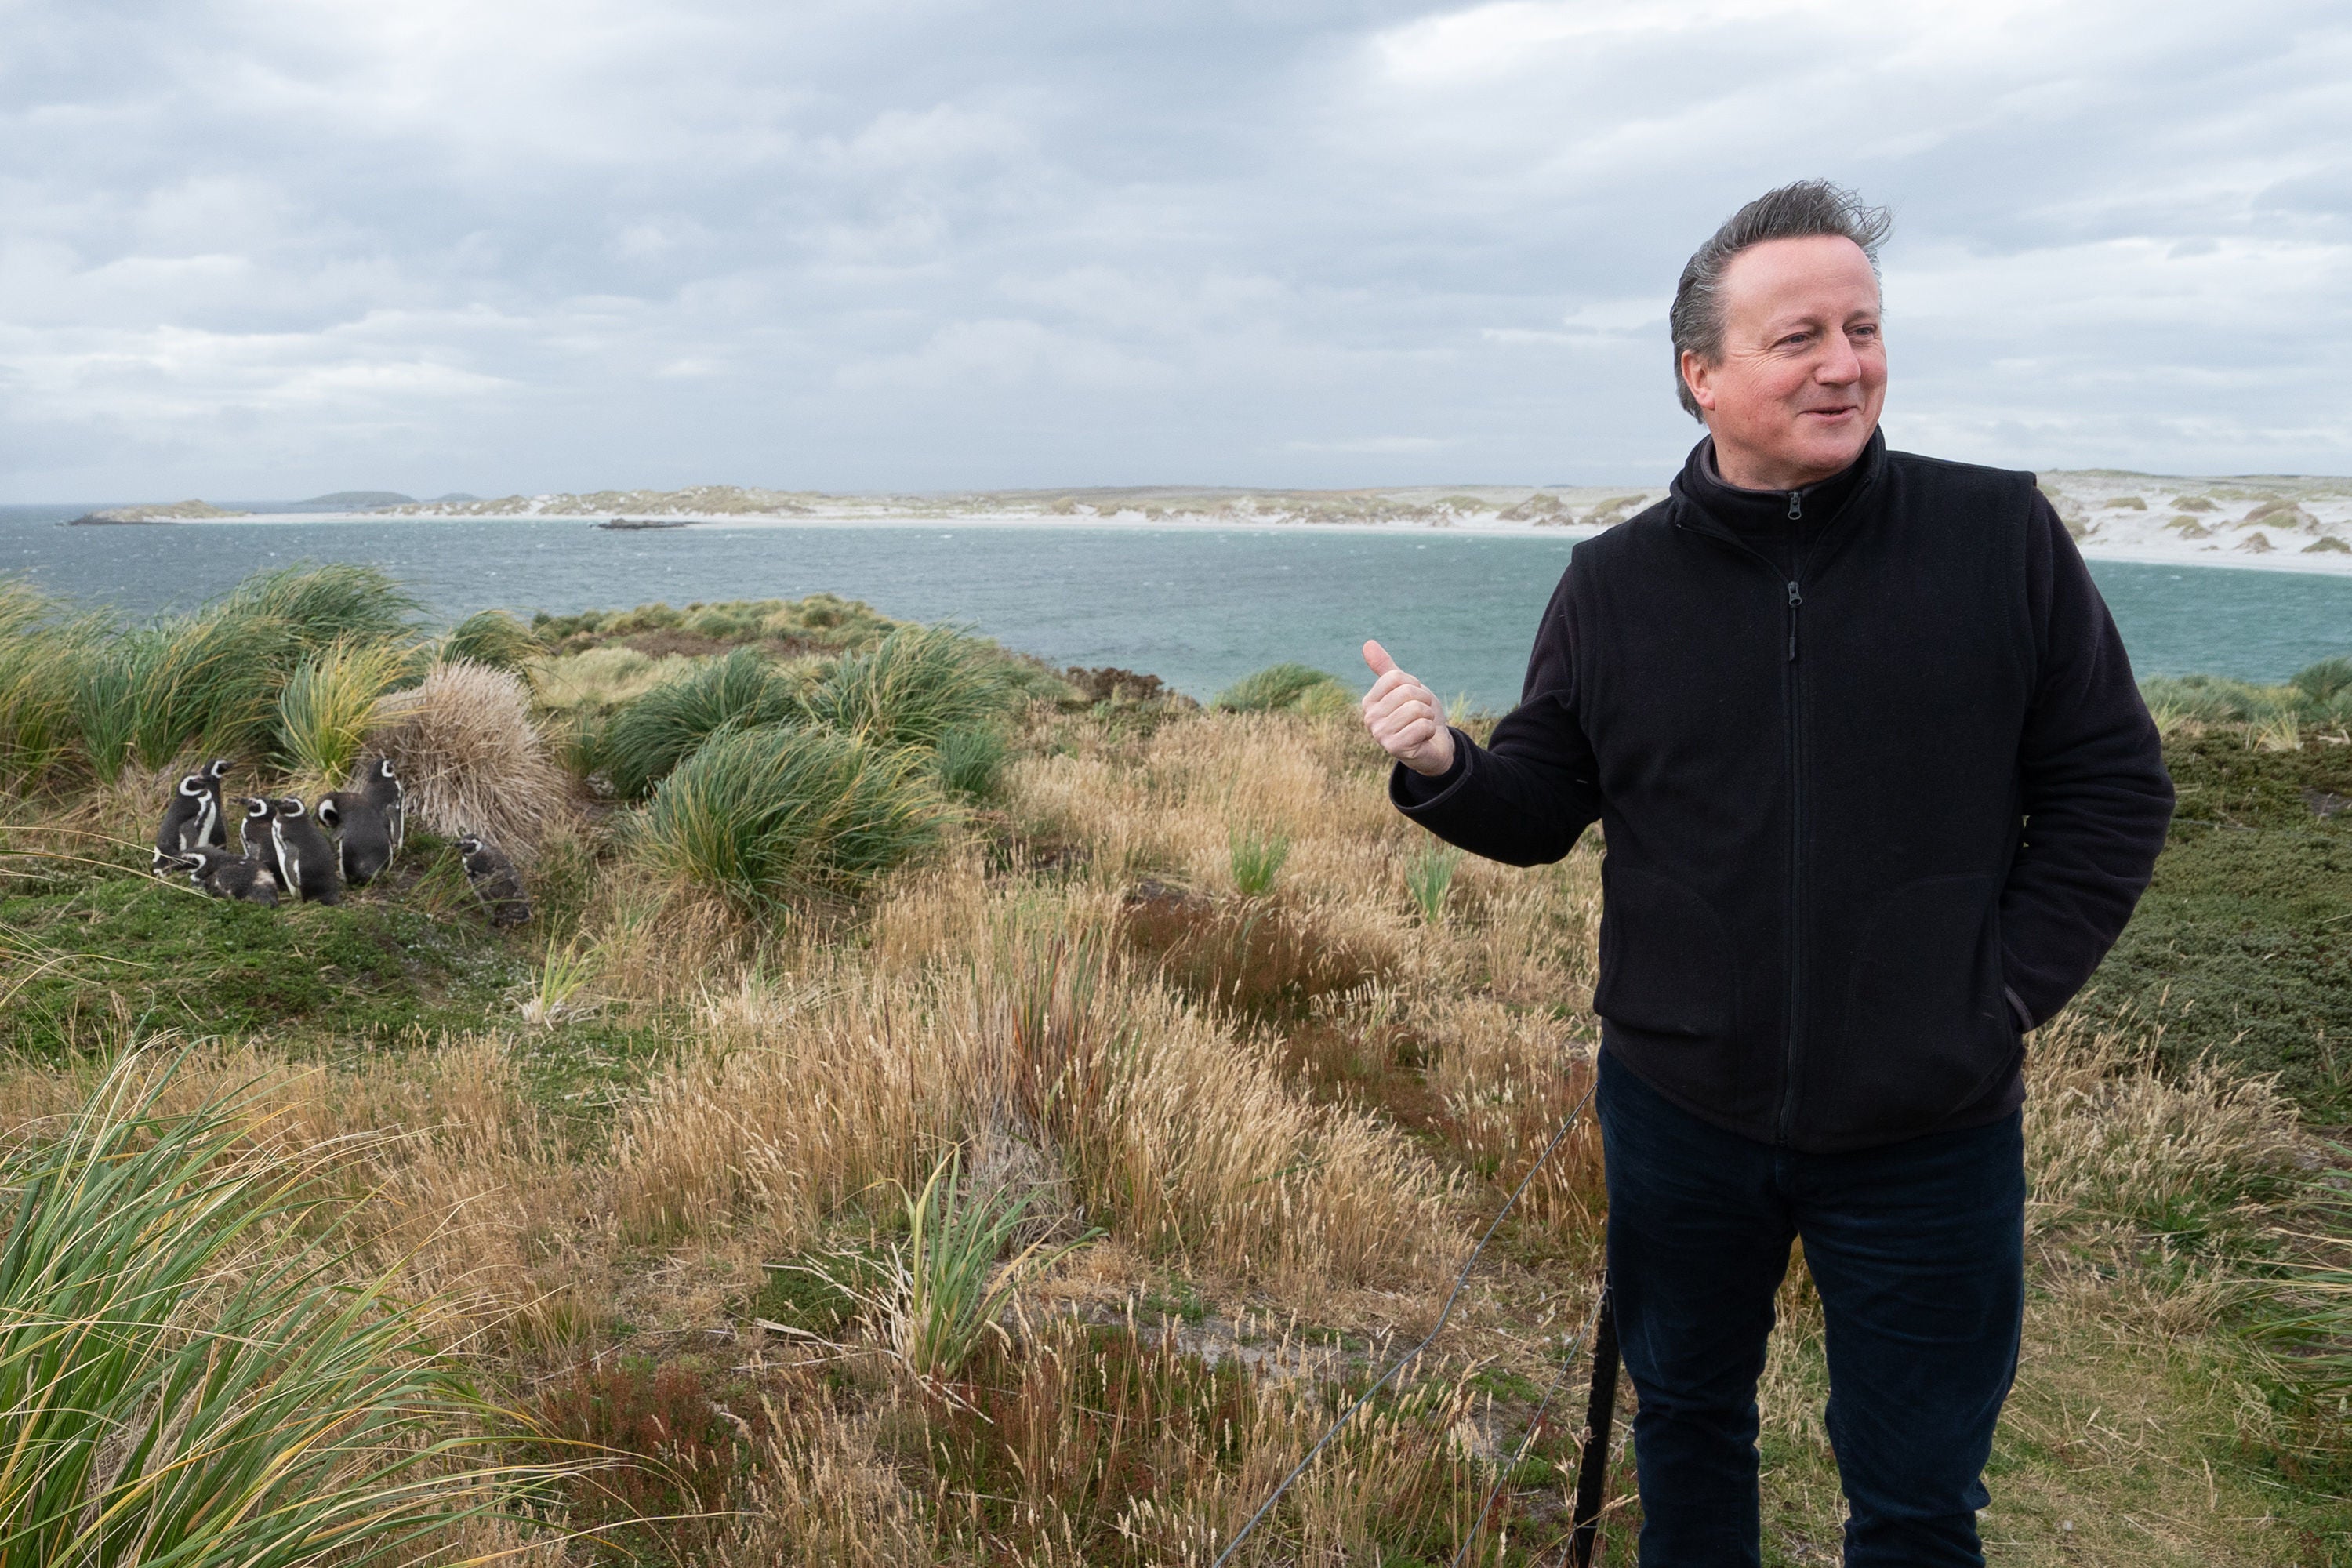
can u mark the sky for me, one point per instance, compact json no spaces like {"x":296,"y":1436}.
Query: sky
{"x":275,"y":248}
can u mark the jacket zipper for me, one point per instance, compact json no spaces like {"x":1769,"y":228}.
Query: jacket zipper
{"x":1792,"y":761}
{"x":1792,"y":695}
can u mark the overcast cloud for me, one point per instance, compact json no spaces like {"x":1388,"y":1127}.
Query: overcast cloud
{"x":270,"y":248}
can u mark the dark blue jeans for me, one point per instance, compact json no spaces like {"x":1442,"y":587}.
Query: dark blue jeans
{"x":1918,"y":1249}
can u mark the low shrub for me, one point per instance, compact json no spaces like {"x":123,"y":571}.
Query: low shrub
{"x":914,"y":687}
{"x":662,"y":727}
{"x":769,"y":816}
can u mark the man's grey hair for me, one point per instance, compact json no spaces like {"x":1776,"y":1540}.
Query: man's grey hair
{"x":1801,"y":211}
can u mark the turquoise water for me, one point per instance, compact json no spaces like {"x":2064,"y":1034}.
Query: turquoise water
{"x":1195,"y":607}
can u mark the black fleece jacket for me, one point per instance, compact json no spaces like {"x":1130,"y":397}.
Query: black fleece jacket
{"x":1877,"y":787}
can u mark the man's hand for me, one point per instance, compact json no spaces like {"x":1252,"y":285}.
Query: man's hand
{"x":1406,"y":717}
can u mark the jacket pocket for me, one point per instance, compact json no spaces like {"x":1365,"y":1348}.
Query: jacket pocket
{"x":1666,"y":959}
{"x":1927,"y":1024}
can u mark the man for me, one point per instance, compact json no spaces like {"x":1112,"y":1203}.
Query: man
{"x":1879,"y":792}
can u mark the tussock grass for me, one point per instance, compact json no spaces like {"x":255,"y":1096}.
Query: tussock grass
{"x":661,"y":729}
{"x":1283,"y":1110}
{"x":2320,"y":695}
{"x":972,"y":762}
{"x":471,"y":758}
{"x":322,"y":605}
{"x":915,"y":687}
{"x":39,"y":681}
{"x":767,"y":818}
{"x":193,"y":1369}
{"x":326,"y":710}
{"x":1278,"y":688}
{"x":492,"y":638}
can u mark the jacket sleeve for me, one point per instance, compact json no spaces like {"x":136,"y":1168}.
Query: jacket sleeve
{"x":2096,"y":799}
{"x":1525,"y":798}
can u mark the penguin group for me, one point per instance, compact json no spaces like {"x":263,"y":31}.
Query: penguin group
{"x":284,"y":849}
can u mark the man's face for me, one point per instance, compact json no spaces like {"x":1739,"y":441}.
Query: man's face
{"x":1803,"y":372}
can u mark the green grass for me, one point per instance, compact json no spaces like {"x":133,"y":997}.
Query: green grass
{"x":767,"y":818}
{"x":1278,"y":688}
{"x":195,"y":1370}
{"x":2242,"y":944}
{"x":820,"y":621}
{"x":85,"y":953}
{"x":972,"y":762}
{"x":2320,"y":694}
{"x":325,"y":706}
{"x":1430,"y":878}
{"x":660,"y":729}
{"x":915,"y":687}
{"x":1256,"y":859}
{"x":492,"y":637}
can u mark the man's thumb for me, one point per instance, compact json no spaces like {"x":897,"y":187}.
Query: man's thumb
{"x":1377,"y":657}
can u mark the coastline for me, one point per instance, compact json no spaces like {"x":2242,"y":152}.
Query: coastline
{"x":2138,"y":550}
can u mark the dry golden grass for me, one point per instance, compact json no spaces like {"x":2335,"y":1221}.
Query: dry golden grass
{"x":471,"y":758}
{"x":1287,"y":1114}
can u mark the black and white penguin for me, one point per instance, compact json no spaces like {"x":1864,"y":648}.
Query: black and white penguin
{"x":186,"y":820}
{"x":225,"y":876}
{"x":381,"y":785}
{"x":253,"y":832}
{"x":363,"y":837}
{"x":496,"y":882}
{"x":214,"y":771}
{"x":304,"y":858}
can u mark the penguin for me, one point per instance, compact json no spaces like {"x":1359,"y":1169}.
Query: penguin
{"x":252,"y":833}
{"x":222,"y":875}
{"x":496,"y":882}
{"x":382,"y":785}
{"x":185,"y":822}
{"x":217,"y":837}
{"x":304,"y":859}
{"x":363,"y":837}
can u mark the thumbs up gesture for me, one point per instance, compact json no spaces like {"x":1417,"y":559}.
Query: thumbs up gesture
{"x":1406,"y":717}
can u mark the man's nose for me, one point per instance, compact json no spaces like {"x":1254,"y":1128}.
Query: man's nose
{"x":1838,"y":364}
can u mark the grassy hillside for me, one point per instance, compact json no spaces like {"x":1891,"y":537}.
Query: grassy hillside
{"x":943,"y":1111}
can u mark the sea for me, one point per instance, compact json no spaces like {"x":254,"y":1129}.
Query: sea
{"x":1198,"y":607}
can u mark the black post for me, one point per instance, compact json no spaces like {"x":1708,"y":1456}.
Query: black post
{"x":1600,"y":1416}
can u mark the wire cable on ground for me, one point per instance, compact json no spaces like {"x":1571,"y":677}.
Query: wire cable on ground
{"x":1575,"y":1112}
{"x":1535,"y":1427}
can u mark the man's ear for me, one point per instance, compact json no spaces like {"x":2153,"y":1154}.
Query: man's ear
{"x":1698,"y":375}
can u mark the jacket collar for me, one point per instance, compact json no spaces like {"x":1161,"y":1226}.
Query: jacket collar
{"x":1709,"y":501}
